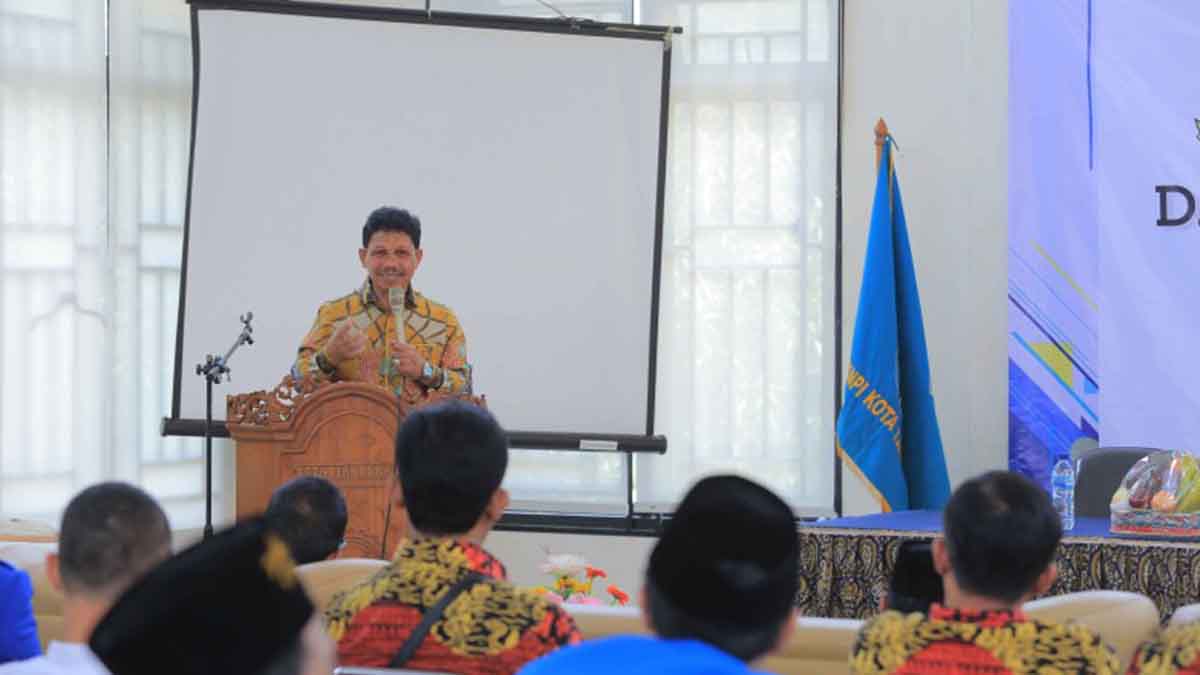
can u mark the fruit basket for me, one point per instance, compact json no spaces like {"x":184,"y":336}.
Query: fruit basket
{"x":1159,"y":497}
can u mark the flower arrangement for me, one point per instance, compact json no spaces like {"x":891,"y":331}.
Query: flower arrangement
{"x":574,"y":581}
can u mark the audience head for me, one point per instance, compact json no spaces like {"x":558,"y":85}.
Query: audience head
{"x":231,"y":604}
{"x":915,"y":583}
{"x":309,"y":513}
{"x":111,"y":534}
{"x":725,"y":569}
{"x":1000,"y":534}
{"x":392,"y":219}
{"x":450,"y":461}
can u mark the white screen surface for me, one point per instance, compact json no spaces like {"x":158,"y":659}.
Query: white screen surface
{"x":531,"y":159}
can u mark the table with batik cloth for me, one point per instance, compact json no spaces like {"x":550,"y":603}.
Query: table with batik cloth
{"x":845,"y":563}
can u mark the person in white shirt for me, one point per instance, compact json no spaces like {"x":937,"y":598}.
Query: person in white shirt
{"x":111,"y":535}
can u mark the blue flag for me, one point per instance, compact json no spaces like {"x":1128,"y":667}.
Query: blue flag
{"x":887,"y":430}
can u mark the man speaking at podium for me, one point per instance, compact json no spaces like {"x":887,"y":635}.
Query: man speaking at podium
{"x":356,"y":337}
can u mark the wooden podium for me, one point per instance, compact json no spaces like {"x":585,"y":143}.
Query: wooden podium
{"x":342,"y":431}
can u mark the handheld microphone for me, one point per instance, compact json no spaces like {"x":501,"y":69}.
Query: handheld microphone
{"x":396,"y":297}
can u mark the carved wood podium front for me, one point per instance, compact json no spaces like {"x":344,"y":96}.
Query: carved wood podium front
{"x":341,"y":431}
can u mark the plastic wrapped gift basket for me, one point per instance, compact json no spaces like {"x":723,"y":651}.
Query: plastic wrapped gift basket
{"x":1159,"y":497}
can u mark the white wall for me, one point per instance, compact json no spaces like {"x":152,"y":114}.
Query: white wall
{"x":937,"y":72}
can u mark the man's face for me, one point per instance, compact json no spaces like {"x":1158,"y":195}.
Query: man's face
{"x":390,"y":259}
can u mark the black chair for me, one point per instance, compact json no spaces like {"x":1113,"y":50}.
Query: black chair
{"x":1100,"y":472}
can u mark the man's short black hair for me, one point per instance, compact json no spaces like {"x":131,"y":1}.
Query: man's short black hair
{"x":450,"y":459}
{"x":740,"y":640}
{"x":309,"y":513}
{"x":1001,"y":533}
{"x":111,"y":534}
{"x":392,"y":219}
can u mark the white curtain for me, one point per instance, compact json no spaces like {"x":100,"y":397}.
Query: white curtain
{"x":92,"y":185}
{"x":92,"y":190}
{"x":745,"y":369}
{"x":53,"y":418}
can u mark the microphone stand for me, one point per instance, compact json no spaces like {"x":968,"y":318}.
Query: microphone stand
{"x":214,"y":369}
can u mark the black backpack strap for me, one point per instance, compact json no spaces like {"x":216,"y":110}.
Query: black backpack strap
{"x":431,"y":617}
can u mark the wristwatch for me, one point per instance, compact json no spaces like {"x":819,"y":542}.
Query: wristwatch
{"x":324,"y":364}
{"x":427,"y":372}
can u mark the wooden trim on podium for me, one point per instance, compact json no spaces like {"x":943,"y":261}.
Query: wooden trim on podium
{"x":259,"y":415}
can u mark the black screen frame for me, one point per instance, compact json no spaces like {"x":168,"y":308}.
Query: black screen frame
{"x":175,"y":425}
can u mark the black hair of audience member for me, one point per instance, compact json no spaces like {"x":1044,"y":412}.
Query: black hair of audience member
{"x":724,"y":570}
{"x":392,"y":219}
{"x":743,"y":642}
{"x":309,"y":513}
{"x":111,"y":534}
{"x":450,"y":460}
{"x":1001,"y":532}
{"x":915,"y":584}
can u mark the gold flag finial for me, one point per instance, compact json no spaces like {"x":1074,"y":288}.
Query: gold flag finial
{"x":881,"y":134}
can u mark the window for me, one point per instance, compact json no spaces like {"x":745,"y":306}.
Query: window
{"x":746,"y":334}
{"x":92,"y":201}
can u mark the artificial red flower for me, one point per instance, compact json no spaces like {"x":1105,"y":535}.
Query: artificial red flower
{"x":593,"y":572}
{"x":619,"y":595}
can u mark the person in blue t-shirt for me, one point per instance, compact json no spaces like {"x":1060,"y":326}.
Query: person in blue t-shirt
{"x":719,"y":591}
{"x":18,"y":630}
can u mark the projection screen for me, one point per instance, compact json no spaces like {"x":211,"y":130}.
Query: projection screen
{"x":534,"y":158}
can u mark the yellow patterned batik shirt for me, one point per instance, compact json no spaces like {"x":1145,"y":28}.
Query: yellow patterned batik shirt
{"x":953,"y":642}
{"x":430,"y":327}
{"x":1176,"y":651}
{"x":493,"y":628}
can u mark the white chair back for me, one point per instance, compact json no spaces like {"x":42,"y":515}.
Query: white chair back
{"x":1123,"y":620}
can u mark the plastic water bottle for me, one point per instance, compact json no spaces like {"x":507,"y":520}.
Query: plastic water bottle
{"x":1062,"y":492}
